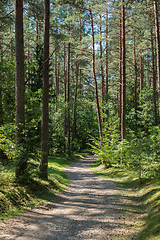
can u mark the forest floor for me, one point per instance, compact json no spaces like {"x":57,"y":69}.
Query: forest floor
{"x":89,"y":208}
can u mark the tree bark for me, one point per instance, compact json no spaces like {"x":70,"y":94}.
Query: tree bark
{"x":123,"y":118}
{"x":68,"y":99}
{"x":120,"y":72}
{"x":154,"y":79}
{"x":148,"y":72}
{"x":94,"y":76}
{"x":106,"y":53}
{"x":65,"y":95}
{"x":20,"y":84}
{"x":75,"y":102}
{"x":158,"y":49}
{"x":37,"y":28}
{"x":80,"y":71}
{"x":45,"y":96}
{"x":1,"y":107}
{"x":135,"y":83}
{"x":101,"y":61}
{"x":141,"y":71}
{"x":106,"y":93}
{"x":102,"y":72}
{"x":56,"y":71}
{"x":20,"y":81}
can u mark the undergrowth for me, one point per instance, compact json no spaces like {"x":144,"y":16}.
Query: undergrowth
{"x":145,"y":193}
{"x":16,"y":198}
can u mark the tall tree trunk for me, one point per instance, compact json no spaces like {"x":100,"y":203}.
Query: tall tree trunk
{"x":123,"y":118}
{"x":101,"y":61}
{"x":154,"y":79}
{"x":58,"y":74}
{"x":1,"y":107}
{"x":37,"y":28}
{"x":20,"y":83}
{"x":158,"y":48}
{"x":68,"y":99}
{"x":135,"y":83}
{"x":80,"y":71}
{"x":56,"y":70}
{"x":94,"y":76}
{"x":148,"y":72}
{"x":11,"y":48}
{"x":141,"y":71}
{"x":106,"y":94}
{"x":45,"y":96}
{"x":102,"y":72}
{"x":120,"y":72}
{"x":106,"y":53}
{"x":65,"y":95}
{"x":75,"y":102}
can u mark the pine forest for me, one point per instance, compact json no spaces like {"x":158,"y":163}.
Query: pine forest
{"x":79,"y":78}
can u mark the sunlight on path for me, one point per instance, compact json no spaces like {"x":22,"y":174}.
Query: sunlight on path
{"x":90,"y":208}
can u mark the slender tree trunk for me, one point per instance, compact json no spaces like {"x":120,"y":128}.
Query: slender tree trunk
{"x":37,"y":28}
{"x":120,"y":73}
{"x":20,"y":83}
{"x":58,"y":74}
{"x":1,"y":106}
{"x":75,"y":102}
{"x":11,"y":48}
{"x":1,"y":52}
{"x":56,"y":71}
{"x":158,"y":48}
{"x":102,"y":72}
{"x":148,"y":72}
{"x":65,"y":95}
{"x":94,"y":76}
{"x":106,"y":53}
{"x":1,"y":77}
{"x":123,"y":118}
{"x":101,"y":61}
{"x":45,"y":96}
{"x":80,"y":71}
{"x":106,"y":93}
{"x":141,"y":72}
{"x":68,"y":99}
{"x":154,"y":79}
{"x":135,"y":83}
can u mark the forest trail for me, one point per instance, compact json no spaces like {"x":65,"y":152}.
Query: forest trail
{"x":90,"y":208}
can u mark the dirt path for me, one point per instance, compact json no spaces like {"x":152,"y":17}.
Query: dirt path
{"x":90,"y":208}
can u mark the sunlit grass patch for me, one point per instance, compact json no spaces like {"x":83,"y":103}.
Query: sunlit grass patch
{"x":15,"y":198}
{"x":144,"y":195}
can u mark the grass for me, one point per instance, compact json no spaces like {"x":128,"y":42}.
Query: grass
{"x":145,"y":195}
{"x":16,"y":199}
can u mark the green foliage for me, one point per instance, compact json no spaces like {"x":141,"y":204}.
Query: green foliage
{"x":146,"y":111}
{"x":7,"y":141}
{"x":107,"y":149}
{"x":34,"y":76}
{"x":138,"y":154}
{"x":7,"y":85}
{"x":86,"y":124}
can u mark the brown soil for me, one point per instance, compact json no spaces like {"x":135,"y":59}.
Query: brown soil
{"x":89,"y":209}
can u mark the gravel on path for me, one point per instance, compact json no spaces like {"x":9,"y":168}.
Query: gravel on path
{"x":89,"y":209}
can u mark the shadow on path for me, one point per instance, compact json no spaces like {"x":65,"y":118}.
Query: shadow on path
{"x":90,"y":208}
